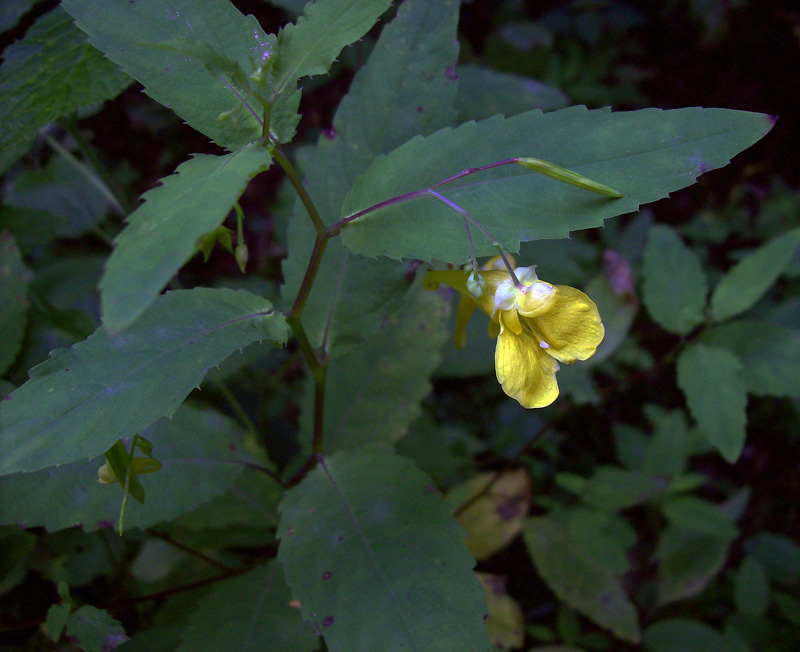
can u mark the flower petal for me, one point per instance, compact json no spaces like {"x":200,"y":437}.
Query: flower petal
{"x":537,"y":298}
{"x":524,"y":370}
{"x":571,"y":329}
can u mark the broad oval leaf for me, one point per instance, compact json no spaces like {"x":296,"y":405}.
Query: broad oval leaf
{"x":199,"y":449}
{"x":376,"y":560}
{"x":81,"y":400}
{"x":769,"y":352}
{"x":50,"y":73}
{"x":250,"y":613}
{"x":712,"y":380}
{"x":748,"y":280}
{"x":579,"y":579}
{"x":674,"y":282}
{"x":172,"y":48}
{"x":751,"y":588}
{"x":645,"y":155}
{"x":162,"y":233}
{"x":683,"y":635}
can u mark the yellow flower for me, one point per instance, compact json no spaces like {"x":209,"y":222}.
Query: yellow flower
{"x":537,"y":325}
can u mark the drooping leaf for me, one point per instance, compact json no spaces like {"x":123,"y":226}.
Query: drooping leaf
{"x":712,"y":379}
{"x":683,"y":635}
{"x":751,"y":588}
{"x":311,"y":45}
{"x":613,"y":488}
{"x":769,"y":352}
{"x":162,"y":234}
{"x":199,"y":451}
{"x":249,"y":613}
{"x":13,"y":300}
{"x":578,"y":579}
{"x":687,"y":562}
{"x":373,"y":393}
{"x":82,"y":400}
{"x":483,"y":92}
{"x":405,"y":85}
{"x":748,"y":280}
{"x":50,"y":73}
{"x":371,"y":552}
{"x":674,"y":282}
{"x":193,"y":56}
{"x":645,"y":155}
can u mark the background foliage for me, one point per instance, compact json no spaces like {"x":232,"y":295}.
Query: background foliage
{"x":649,"y":508}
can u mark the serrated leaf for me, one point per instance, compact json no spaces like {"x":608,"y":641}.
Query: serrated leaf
{"x":683,"y":635}
{"x":177,"y":52}
{"x":687,"y":562}
{"x":751,"y":588}
{"x":769,"y":352}
{"x":406,"y":87}
{"x":51,"y":72}
{"x":371,"y":552}
{"x":674,"y":282}
{"x":248,"y":613}
{"x":162,"y":234}
{"x":578,"y":579}
{"x":199,"y":451}
{"x":645,"y":155}
{"x":612,"y":488}
{"x":373,"y":393}
{"x":13,"y":300}
{"x":747,"y":281}
{"x":712,"y":380}
{"x":310,"y":46}
{"x":82,"y":400}
{"x":483,"y":92}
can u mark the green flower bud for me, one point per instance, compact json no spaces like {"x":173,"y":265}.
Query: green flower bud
{"x":241,"y":255}
{"x":476,"y":285}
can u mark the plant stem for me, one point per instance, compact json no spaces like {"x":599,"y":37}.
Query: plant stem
{"x":97,"y":174}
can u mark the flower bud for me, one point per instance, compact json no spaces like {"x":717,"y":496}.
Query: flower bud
{"x":242,"y":255}
{"x":476,"y":285}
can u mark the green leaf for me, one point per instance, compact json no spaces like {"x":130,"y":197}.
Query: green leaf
{"x":373,"y":393}
{"x":310,"y":46}
{"x":13,"y":300}
{"x":769,"y":352}
{"x":699,"y":516}
{"x":674,"y":282}
{"x":408,"y":92}
{"x":371,"y":552}
{"x":11,"y":11}
{"x":748,"y":280}
{"x":192,"y":56}
{"x":93,"y":630}
{"x":778,"y":554}
{"x":162,"y":234}
{"x":73,"y":205}
{"x":82,"y":400}
{"x":578,"y":579}
{"x":51,"y":72}
{"x":751,"y":588}
{"x":712,"y":379}
{"x":683,"y":635}
{"x":645,"y":155}
{"x":667,"y":451}
{"x":483,"y":92}
{"x":687,"y":562}
{"x":247,"y":614}
{"x":612,"y":488}
{"x":199,"y":449}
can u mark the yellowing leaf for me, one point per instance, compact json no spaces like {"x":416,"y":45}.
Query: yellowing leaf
{"x":495,"y":509}
{"x":506,"y":623}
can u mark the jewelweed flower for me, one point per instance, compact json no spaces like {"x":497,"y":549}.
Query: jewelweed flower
{"x":537,"y":325}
